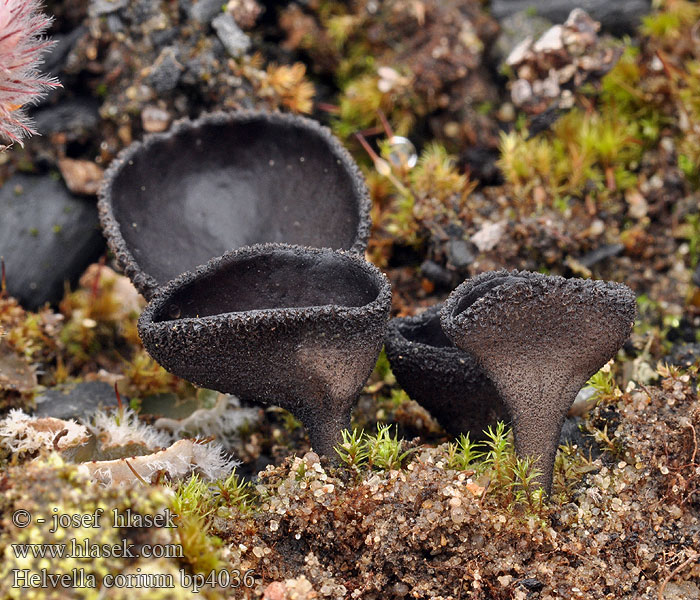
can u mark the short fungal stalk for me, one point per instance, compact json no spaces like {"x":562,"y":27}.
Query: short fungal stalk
{"x":539,"y":338}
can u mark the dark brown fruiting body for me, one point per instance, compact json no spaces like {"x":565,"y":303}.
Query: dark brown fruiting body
{"x":445,"y":380}
{"x":539,"y":338}
{"x":278,"y":324}
{"x":177,"y":199}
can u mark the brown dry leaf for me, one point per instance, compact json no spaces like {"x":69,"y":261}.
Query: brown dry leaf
{"x":81,"y":176}
{"x":15,"y":372}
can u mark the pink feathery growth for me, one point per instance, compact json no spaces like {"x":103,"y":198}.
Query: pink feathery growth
{"x":21,"y":46}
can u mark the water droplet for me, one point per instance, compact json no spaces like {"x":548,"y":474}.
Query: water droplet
{"x":174,"y":311}
{"x":402,"y":152}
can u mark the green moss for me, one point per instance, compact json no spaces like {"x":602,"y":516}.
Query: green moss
{"x":463,"y":453}
{"x":424,"y":199}
{"x":49,"y":487}
{"x":381,"y":451}
{"x":598,"y":150}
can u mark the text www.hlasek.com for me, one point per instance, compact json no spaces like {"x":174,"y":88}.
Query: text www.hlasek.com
{"x":88,"y":549}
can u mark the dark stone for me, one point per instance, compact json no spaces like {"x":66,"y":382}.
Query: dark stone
{"x":47,"y":236}
{"x":55,"y":58}
{"x":614,"y":16}
{"x":177,"y":199}
{"x":436,"y":273}
{"x":571,"y":434}
{"x":105,"y":7}
{"x":696,"y":275}
{"x":163,"y":37}
{"x":602,"y":253}
{"x":481,"y":163}
{"x":166,"y":71}
{"x":76,"y":117}
{"x":445,"y":380}
{"x":532,"y":584}
{"x":114,"y":23}
{"x":277,"y":324}
{"x":205,"y":10}
{"x":685,"y":331}
{"x":546,"y":119}
{"x":539,"y":339}
{"x":75,"y":401}
{"x":231,"y":35}
{"x":461,"y":253}
{"x":684,"y":355}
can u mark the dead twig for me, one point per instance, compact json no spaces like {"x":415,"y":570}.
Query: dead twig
{"x":693,"y":556}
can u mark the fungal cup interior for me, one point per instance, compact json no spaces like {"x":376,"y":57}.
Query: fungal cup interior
{"x":186,"y":197}
{"x":481,"y":290}
{"x":279,"y":280}
{"x":427,"y":331}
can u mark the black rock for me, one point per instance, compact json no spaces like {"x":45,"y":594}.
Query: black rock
{"x":613,"y":16}
{"x":445,"y":380}
{"x":696,"y":275}
{"x":601,"y":253}
{"x":277,"y":324}
{"x":55,"y":58}
{"x":224,"y":181}
{"x":532,"y":584}
{"x":438,"y":274}
{"x":77,"y":117}
{"x":47,"y":236}
{"x":684,"y":355}
{"x":75,"y":401}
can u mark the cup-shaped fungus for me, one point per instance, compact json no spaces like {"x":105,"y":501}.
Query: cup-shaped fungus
{"x":442,"y":378}
{"x":278,"y":324}
{"x":539,"y":338}
{"x":180,"y":198}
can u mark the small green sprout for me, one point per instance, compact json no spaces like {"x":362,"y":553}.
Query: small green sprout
{"x":602,"y":438}
{"x":236,"y":493}
{"x":380,"y":451}
{"x":523,"y":483}
{"x":570,"y":465}
{"x":383,"y":450}
{"x":500,"y":451}
{"x":352,"y":451}
{"x":463,"y":453}
{"x":603,"y":382}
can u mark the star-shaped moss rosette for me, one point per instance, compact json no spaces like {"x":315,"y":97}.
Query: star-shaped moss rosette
{"x":539,"y":339}
{"x":278,"y":324}
{"x":442,"y":378}
{"x":180,"y":198}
